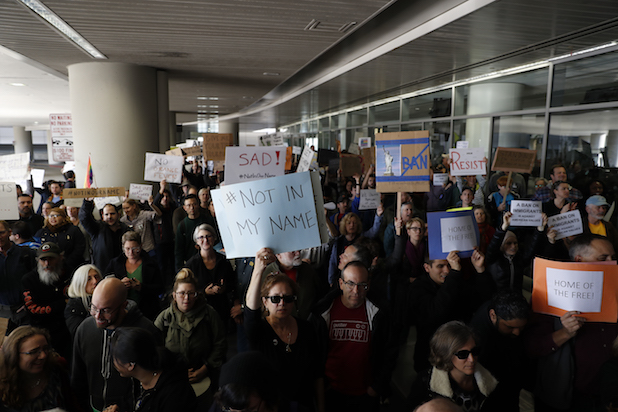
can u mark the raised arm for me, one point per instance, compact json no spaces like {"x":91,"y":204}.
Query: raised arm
{"x":263,"y":258}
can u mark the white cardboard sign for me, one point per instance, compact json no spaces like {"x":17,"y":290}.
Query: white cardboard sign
{"x":439,"y":179}
{"x":296,"y":150}
{"x":279,"y":213}
{"x":566,"y":224}
{"x":458,"y":233}
{"x":369,"y":199}
{"x":462,"y":144}
{"x":305,"y":160}
{"x":526,"y":213}
{"x":99,"y":202}
{"x":14,"y":168}
{"x":159,"y":167}
{"x":246,"y":164}
{"x":38,"y":177}
{"x":575,"y":290}
{"x":8,"y":201}
{"x":364,"y":142}
{"x":469,"y":161}
{"x":140,"y":192}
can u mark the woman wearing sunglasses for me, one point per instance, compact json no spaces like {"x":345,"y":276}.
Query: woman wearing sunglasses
{"x":31,"y":375}
{"x":193,"y":329}
{"x":289,"y":343}
{"x":456,"y":373}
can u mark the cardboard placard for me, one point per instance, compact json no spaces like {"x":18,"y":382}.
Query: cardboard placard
{"x":526,"y":213}
{"x":402,"y":162}
{"x":306,"y":158}
{"x":590,"y":288}
{"x":8,"y":201}
{"x":93,"y":192}
{"x":279,"y":213}
{"x":140,"y":192}
{"x":75,"y":202}
{"x":297,"y":150}
{"x":467,"y":162}
{"x":192,"y":151}
{"x":245,"y":164}
{"x":439,"y":179}
{"x":350,"y":165}
{"x":215,"y":144}
{"x":38,"y":177}
{"x":177,"y":151}
{"x":368,"y":157}
{"x":15,"y":167}
{"x":566,"y":224}
{"x":452,"y":231}
{"x":513,"y":160}
{"x":369,"y":199}
{"x":159,"y":167}
{"x":100,"y":202}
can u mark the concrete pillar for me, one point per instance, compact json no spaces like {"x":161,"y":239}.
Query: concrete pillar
{"x":611,"y":148}
{"x":172,"y":128}
{"x":490,"y":98}
{"x":22,"y":140}
{"x":229,"y":127}
{"x":114,"y":108}
{"x":163,"y":110}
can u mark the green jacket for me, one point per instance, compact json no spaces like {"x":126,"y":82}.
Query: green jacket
{"x":198,"y":335}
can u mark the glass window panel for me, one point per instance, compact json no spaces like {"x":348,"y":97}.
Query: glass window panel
{"x":522,"y":132}
{"x":384,"y":113}
{"x":357,"y":118}
{"x":411,"y":127}
{"x":325,"y":123}
{"x":522,"y":91}
{"x":313,"y":126}
{"x":591,"y":80}
{"x":437,"y":104}
{"x":439,"y":140}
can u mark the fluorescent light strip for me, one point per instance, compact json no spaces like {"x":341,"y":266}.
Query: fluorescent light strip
{"x":59,"y":24}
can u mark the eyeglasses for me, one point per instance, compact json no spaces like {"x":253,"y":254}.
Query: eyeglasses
{"x":351,"y":285}
{"x":37,"y":351}
{"x":105,"y":311}
{"x":415,"y":229}
{"x":205,"y":237}
{"x":54,"y":216}
{"x":464,"y":353}
{"x":286,"y":299}
{"x":133,"y":249}
{"x":188,"y":294}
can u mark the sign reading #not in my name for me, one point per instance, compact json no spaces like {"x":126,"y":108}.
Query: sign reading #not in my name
{"x":93,"y":192}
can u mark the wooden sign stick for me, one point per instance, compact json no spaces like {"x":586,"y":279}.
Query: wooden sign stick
{"x":398,"y":231}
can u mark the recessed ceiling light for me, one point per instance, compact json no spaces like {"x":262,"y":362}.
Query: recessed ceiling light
{"x":17,"y":84}
{"x":52,"y":18}
{"x":270,"y":74}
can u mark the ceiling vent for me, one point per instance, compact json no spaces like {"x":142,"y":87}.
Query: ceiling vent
{"x":315,"y":25}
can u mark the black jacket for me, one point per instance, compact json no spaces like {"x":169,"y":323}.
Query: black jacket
{"x":70,"y":240}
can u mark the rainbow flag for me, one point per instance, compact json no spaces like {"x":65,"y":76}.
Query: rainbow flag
{"x":89,"y":175}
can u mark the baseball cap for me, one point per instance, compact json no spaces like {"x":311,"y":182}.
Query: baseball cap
{"x":49,"y":249}
{"x":597,"y":200}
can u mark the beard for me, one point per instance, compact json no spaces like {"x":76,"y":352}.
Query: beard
{"x":47,"y":276}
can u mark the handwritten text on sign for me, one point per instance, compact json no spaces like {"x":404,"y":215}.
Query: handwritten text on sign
{"x":566,"y":224}
{"x":8,"y":201}
{"x":467,"y":162}
{"x":369,"y":199}
{"x":93,"y":192}
{"x":140,"y":192}
{"x":159,"y":167}
{"x":245,"y":164}
{"x":14,"y":167}
{"x":278,"y":213}
{"x":575,"y":290}
{"x":526,"y":213}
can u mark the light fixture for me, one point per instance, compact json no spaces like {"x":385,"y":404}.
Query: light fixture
{"x":52,"y":18}
{"x":17,"y":84}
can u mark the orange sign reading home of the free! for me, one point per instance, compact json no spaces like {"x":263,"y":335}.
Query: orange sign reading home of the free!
{"x":589,"y":288}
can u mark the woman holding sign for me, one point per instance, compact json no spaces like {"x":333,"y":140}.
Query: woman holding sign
{"x":560,"y":200}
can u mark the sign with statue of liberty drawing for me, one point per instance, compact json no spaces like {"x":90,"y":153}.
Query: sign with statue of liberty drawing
{"x":402,"y":162}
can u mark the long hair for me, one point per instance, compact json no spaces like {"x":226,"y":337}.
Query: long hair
{"x":274,"y":278}
{"x":139,"y":346}
{"x":447,"y":340}
{"x":344,"y":222}
{"x":77,"y":288}
{"x":12,"y":392}
{"x":63,"y":220}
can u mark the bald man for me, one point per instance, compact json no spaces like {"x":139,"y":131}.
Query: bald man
{"x":94,"y":378}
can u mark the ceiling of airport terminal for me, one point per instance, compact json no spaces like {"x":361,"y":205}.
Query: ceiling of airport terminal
{"x":222,"y":49}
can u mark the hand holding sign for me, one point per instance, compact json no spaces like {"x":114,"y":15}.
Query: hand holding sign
{"x":454,"y":260}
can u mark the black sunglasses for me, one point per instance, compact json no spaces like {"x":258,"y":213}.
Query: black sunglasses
{"x":286,"y":299}
{"x":464,"y":353}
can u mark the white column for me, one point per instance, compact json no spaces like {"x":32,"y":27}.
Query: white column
{"x":611,"y":148}
{"x":22,"y":140}
{"x":114,"y":108}
{"x":229,"y":127}
{"x":163,"y":110}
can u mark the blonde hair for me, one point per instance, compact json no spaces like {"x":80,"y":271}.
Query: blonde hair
{"x":344,"y":222}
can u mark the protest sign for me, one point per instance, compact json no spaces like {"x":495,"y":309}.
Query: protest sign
{"x":364,"y":142}
{"x":305,"y":160}
{"x":513,"y":160}
{"x":296,"y":150}
{"x":466,"y":162}
{"x":100,"y":202}
{"x":215,"y":144}
{"x":369,"y":199}
{"x":74,"y":202}
{"x":566,"y":224}
{"x":526,"y":213}
{"x":14,"y":168}
{"x":279,"y":213}
{"x":177,"y":151}
{"x":266,"y":140}
{"x":8,"y":201}
{"x":61,"y":127}
{"x":93,"y":192}
{"x":140,"y":192}
{"x":440,"y":179}
{"x":288,"y":158}
{"x":192,"y":151}
{"x":278,"y":140}
{"x":368,"y":157}
{"x":462,"y":144}
{"x":452,"y":231}
{"x":402,"y":162}
{"x":589,"y":288}
{"x":350,"y":165}
{"x":159,"y":167}
{"x":38,"y":177}
{"x":245,"y":164}
{"x":318,"y":198}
